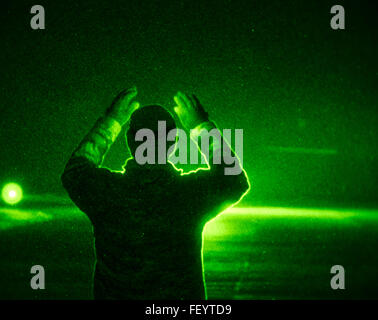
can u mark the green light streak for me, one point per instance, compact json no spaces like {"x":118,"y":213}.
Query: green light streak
{"x":295,"y":212}
{"x":247,"y":218}
{"x":12,"y":218}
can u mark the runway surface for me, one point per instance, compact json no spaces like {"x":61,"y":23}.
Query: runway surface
{"x":249,"y":253}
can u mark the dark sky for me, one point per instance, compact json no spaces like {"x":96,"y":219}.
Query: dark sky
{"x":273,"y":68}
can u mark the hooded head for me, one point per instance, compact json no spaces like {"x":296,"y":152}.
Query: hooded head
{"x":148,"y":117}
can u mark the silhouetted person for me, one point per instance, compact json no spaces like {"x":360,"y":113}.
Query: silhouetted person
{"x":148,"y":221}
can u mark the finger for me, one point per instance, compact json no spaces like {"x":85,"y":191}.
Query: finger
{"x":177,"y":110}
{"x":131,"y":93}
{"x":199,"y":106}
{"x":185,"y":98}
{"x":176,"y":100}
{"x":193,"y":101}
{"x":124,"y":94}
{"x":127,"y":99}
{"x":128,"y":90}
{"x":180,"y":103}
{"x":134,"y":106}
{"x":130,"y":110}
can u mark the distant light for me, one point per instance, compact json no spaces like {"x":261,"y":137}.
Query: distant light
{"x":12,"y":193}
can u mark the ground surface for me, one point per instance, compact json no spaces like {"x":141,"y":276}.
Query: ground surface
{"x":249,"y":253}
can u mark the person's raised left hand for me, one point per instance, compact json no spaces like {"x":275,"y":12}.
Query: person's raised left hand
{"x":123,"y":105}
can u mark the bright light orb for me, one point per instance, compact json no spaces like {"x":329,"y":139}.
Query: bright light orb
{"x":11,"y":193}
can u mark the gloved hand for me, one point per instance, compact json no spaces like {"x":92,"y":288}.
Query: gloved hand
{"x":189,"y":110}
{"x":123,"y":105}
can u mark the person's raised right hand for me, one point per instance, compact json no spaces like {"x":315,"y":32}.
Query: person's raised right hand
{"x":189,"y":110}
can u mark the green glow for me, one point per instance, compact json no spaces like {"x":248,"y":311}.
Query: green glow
{"x":220,"y":226}
{"x":12,"y":218}
{"x":12,"y":193}
{"x":297,"y":212}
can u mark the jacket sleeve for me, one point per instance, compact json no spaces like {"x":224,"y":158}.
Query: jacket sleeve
{"x":83,"y":178}
{"x":215,"y":189}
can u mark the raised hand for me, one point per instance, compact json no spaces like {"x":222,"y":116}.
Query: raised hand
{"x":189,"y":110}
{"x":123,"y":105}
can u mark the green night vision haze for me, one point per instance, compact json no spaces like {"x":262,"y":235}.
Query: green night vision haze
{"x":304,"y":94}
